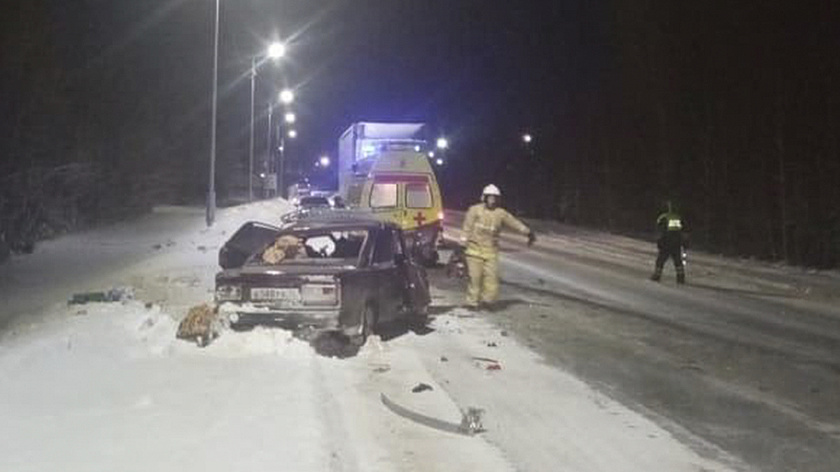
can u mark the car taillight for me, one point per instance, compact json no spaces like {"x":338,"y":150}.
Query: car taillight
{"x":319,"y":294}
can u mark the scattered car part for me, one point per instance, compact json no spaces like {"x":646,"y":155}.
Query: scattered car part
{"x":469,"y":426}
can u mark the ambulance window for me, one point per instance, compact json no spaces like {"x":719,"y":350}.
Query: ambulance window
{"x":418,"y":195}
{"x":383,"y":195}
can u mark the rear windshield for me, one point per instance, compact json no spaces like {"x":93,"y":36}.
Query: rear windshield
{"x":314,"y":201}
{"x":314,"y":247}
{"x":418,"y":195}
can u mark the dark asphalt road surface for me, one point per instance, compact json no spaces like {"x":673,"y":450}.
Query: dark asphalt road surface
{"x":752,"y":371}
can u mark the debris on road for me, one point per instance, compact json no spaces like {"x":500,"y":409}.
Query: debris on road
{"x":421,"y":387}
{"x":456,"y":266}
{"x":492,"y":344}
{"x":444,"y":359}
{"x":469,"y":426}
{"x":202,"y":325}
{"x":471,"y":421}
{"x":381,"y":369}
{"x":117,"y":294}
{"x":504,"y":333}
{"x":485,"y":359}
{"x":487,"y":363}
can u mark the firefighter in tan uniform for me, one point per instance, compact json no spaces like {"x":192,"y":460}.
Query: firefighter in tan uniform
{"x":481,"y":230}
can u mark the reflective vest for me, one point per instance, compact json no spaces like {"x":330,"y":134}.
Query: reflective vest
{"x":482,"y":227}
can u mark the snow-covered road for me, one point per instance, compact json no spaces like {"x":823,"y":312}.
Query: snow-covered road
{"x":107,"y":386}
{"x":746,"y":356}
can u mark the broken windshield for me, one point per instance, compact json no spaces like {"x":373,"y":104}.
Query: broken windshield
{"x":314,"y":247}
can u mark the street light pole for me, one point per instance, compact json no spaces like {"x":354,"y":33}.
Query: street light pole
{"x":282,"y":167}
{"x":275,"y":51}
{"x":251,"y":148}
{"x":286,"y":98}
{"x":268,"y":140}
{"x":211,"y":191}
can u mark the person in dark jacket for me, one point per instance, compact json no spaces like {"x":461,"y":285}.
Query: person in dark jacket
{"x":672,"y":240}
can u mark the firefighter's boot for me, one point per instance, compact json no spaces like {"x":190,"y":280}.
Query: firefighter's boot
{"x":657,"y":274}
{"x":680,"y":275}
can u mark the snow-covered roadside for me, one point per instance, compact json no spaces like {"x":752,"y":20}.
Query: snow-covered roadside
{"x":108,"y":387}
{"x":162,"y":252}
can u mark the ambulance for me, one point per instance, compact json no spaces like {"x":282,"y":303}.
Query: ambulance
{"x":384,"y":170}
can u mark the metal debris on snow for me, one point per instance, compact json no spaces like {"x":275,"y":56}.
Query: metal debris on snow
{"x":421,"y":387}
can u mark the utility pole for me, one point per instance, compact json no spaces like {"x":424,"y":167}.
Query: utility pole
{"x":211,"y":191}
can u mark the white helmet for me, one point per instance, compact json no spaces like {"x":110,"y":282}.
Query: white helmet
{"x":491,"y":190}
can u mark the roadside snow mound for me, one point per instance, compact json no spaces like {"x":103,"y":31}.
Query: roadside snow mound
{"x":156,"y":332}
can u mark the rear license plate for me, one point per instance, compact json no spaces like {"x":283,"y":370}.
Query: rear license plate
{"x":284,"y":294}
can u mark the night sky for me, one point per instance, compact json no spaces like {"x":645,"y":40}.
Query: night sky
{"x":729,"y":108}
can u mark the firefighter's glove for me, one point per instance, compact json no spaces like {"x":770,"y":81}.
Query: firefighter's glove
{"x":532,"y":238}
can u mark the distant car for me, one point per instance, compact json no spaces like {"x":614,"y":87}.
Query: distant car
{"x":306,"y":203}
{"x":338,"y":202}
{"x":344,"y":273}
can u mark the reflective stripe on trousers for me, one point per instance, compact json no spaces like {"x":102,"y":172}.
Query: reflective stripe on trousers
{"x":484,"y":279}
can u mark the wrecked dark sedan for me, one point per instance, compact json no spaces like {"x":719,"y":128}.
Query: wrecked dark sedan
{"x":335,"y":273}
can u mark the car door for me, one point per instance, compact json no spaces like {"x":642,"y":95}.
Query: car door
{"x":414,"y":281}
{"x":249,"y":239}
{"x":383,"y":263}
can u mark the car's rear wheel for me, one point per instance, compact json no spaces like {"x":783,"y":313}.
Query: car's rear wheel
{"x":420,"y":316}
{"x":367,"y":323}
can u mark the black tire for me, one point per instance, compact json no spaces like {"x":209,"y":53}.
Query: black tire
{"x":367,"y":320}
{"x":420,"y":317}
{"x":242,"y":327}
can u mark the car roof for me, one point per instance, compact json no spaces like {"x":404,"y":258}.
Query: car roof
{"x":336,"y":219}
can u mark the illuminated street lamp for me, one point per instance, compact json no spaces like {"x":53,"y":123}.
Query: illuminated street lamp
{"x":439,"y":161}
{"x":442,"y":143}
{"x":290,"y":117}
{"x":431,"y":154}
{"x":275,"y":51}
{"x":527,"y":138}
{"x":292,"y":134}
{"x":287,"y":96}
{"x":324,"y":161}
